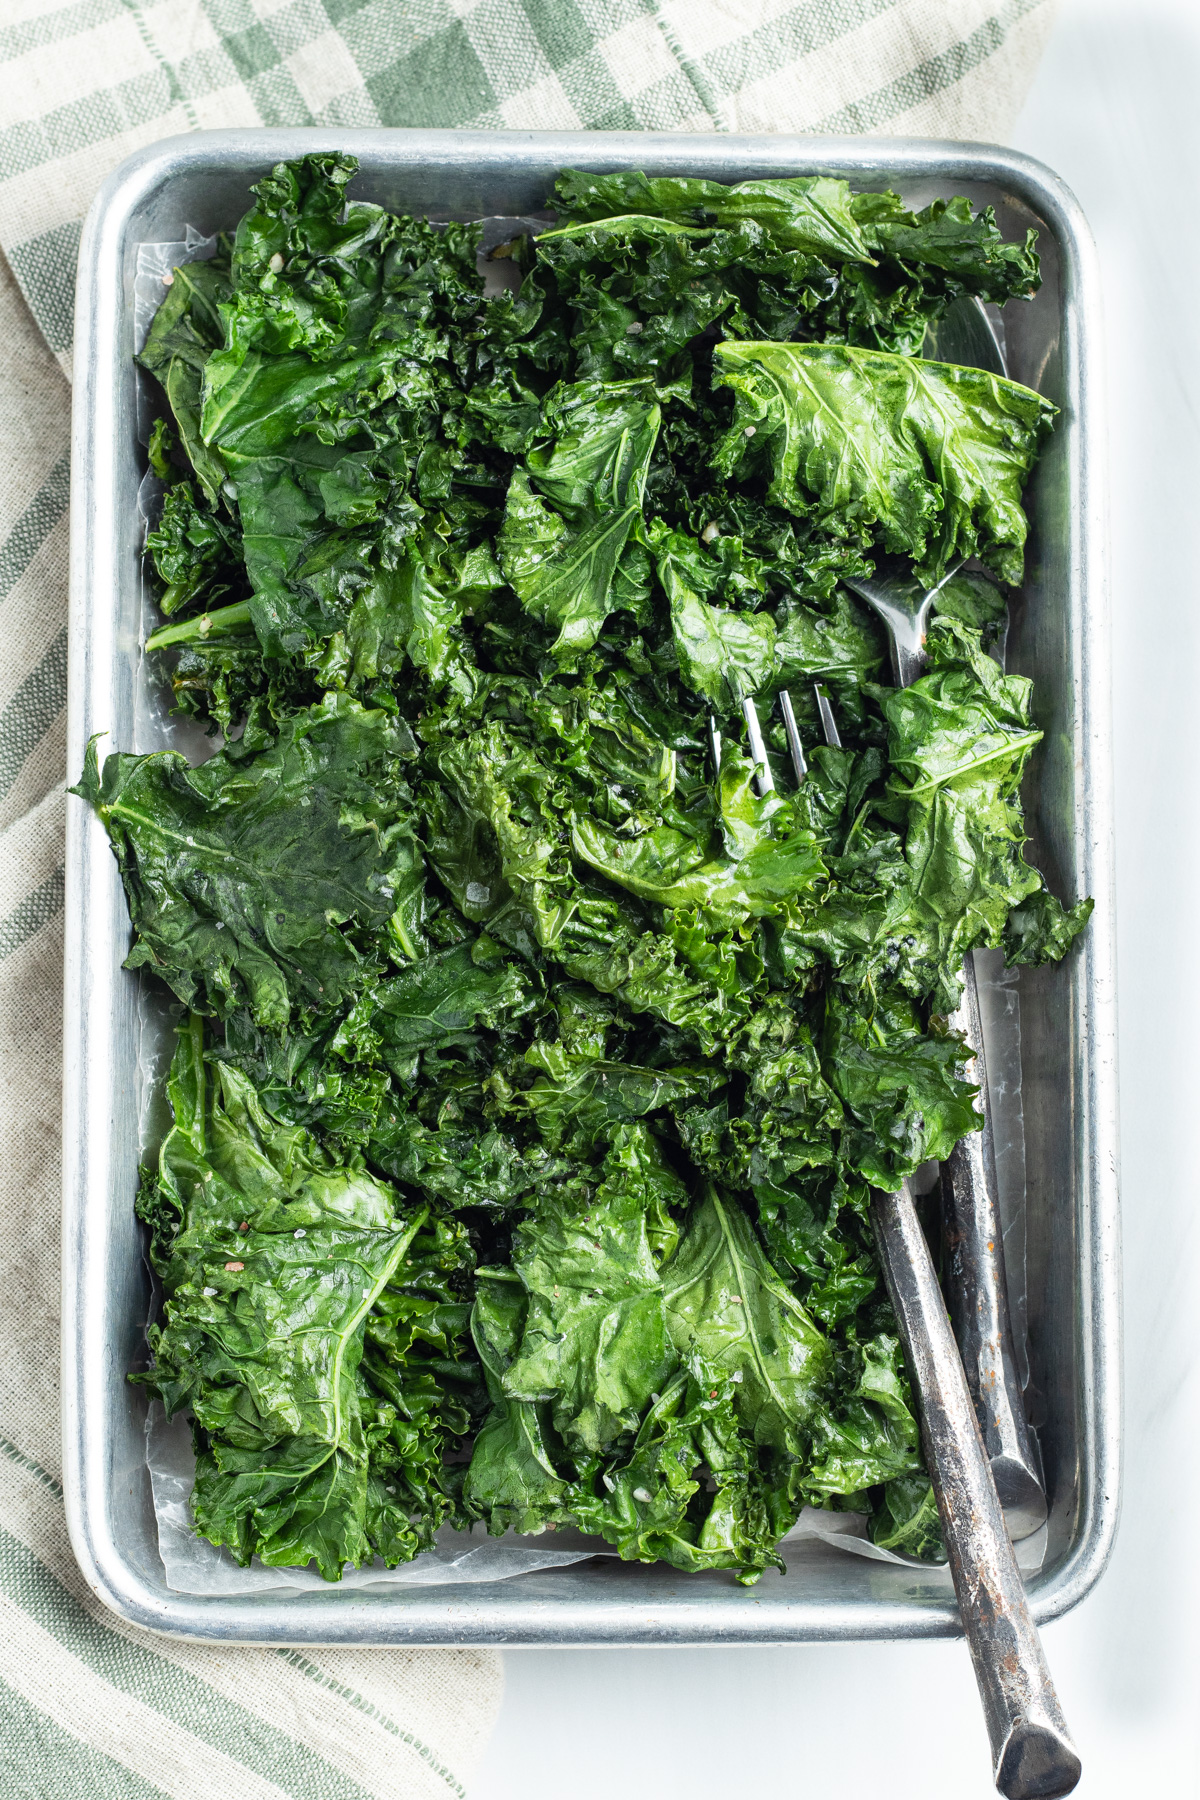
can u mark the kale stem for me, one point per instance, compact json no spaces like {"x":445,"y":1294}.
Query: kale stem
{"x":201,"y":626}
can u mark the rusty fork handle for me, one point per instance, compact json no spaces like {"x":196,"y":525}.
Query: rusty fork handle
{"x":1033,"y":1757}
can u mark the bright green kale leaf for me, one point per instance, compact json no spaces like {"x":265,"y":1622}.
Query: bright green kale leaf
{"x":931,"y":456}
{"x":872,"y":1437}
{"x":590,"y":463}
{"x":900,"y":1086}
{"x":595,"y":1343}
{"x":724,"y":655}
{"x":845,"y":642}
{"x":512,"y":1483}
{"x":650,"y":1505}
{"x":670,"y":868}
{"x":727,"y":1303}
{"x":802,"y":212}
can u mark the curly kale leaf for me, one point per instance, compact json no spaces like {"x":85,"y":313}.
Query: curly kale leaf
{"x":595,"y":1342}
{"x":284,"y":878}
{"x":184,"y":333}
{"x":726,"y":1302}
{"x":692,"y":1490}
{"x":871,"y":1437}
{"x":589,"y":462}
{"x":900,"y":1087}
{"x":948,"y":236}
{"x":272,"y":1259}
{"x":511,"y":1482}
{"x":931,"y":456}
{"x":197,"y":554}
{"x":1041,"y":929}
{"x":723,"y":654}
{"x":802,"y":212}
{"x":433,"y":1004}
{"x":905,"y":1519}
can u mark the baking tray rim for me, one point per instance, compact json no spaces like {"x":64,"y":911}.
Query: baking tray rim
{"x":448,"y":1616}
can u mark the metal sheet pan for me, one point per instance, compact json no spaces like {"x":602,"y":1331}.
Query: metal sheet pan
{"x":1059,"y":636}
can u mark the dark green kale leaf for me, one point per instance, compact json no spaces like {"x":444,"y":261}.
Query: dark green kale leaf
{"x":511,"y":1482}
{"x":495,"y":840}
{"x":645,"y":268}
{"x":958,"y":743}
{"x":816,"y":1224}
{"x":272,"y":1259}
{"x":462,"y":1164}
{"x":315,"y":271}
{"x":949,"y":236}
{"x":434,"y":1004}
{"x":1041,"y":929}
{"x":691,"y":1491}
{"x":326,"y":381}
{"x":576,"y":1098}
{"x":905,"y":1519}
{"x":931,"y":456}
{"x":196,"y":552}
{"x":284,"y":878}
{"x":427,"y":1387}
{"x":185,"y":331}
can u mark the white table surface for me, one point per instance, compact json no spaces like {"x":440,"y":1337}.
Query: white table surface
{"x":1116,"y":111}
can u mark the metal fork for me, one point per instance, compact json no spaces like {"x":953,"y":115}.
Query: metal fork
{"x":975,"y":1278}
{"x":1033,"y":1757}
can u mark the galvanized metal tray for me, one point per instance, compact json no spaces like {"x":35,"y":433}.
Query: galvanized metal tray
{"x":1059,"y":636}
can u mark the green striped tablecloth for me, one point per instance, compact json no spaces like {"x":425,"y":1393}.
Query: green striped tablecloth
{"x":89,"y":1708}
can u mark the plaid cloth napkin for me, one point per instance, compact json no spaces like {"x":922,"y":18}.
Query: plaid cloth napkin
{"x":88,"y":1707}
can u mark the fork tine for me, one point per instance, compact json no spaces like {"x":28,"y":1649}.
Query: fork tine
{"x":793,"y":735}
{"x":714,"y":743}
{"x":828,"y":722}
{"x":764,"y":781}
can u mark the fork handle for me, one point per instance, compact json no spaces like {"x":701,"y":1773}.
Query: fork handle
{"x":976,"y":1285}
{"x":1033,"y":1757}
